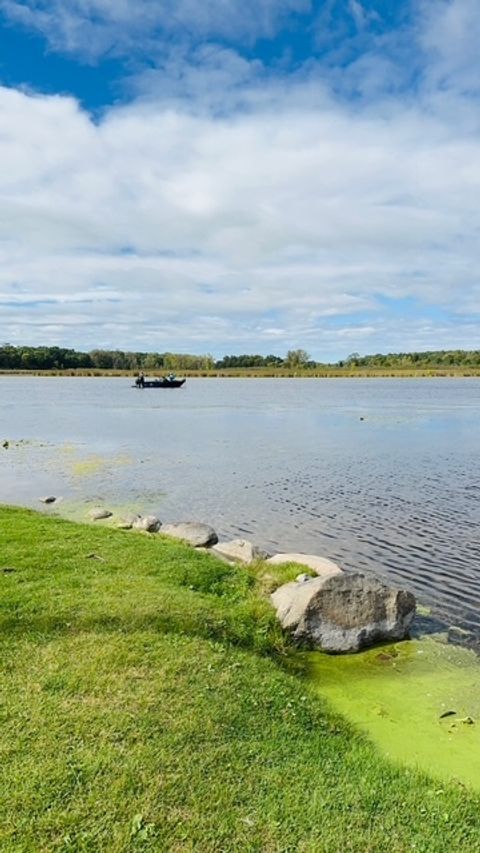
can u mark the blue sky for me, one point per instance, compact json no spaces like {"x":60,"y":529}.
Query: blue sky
{"x":226,"y":176}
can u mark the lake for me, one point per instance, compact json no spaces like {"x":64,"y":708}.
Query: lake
{"x":381,"y":475}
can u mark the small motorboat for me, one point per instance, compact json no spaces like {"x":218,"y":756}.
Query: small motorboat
{"x":164,"y":382}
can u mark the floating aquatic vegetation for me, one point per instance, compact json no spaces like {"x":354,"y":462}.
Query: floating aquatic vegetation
{"x":418,"y":701}
{"x":89,"y":466}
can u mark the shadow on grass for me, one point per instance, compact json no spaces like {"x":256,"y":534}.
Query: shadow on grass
{"x":246,"y":626}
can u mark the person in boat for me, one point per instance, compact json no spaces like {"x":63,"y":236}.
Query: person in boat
{"x":171,"y":377}
{"x":141,"y":380}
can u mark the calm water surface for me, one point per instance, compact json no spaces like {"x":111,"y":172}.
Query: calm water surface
{"x":287,"y":463}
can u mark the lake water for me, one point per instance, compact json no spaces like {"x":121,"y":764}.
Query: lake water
{"x":289,"y":464}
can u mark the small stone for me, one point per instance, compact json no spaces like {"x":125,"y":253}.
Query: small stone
{"x":99,"y":514}
{"x":457,"y":634}
{"x":239,"y":551}
{"x":320,"y":565}
{"x":303,"y":578}
{"x":150,"y":524}
{"x":126,"y":522}
{"x":50,"y":499}
{"x":194,"y":532}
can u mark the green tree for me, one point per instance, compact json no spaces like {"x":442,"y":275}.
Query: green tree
{"x":297,"y":358}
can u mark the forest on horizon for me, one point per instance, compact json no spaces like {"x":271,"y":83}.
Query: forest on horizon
{"x":59,"y":358}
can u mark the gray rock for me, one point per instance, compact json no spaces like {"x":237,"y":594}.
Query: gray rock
{"x":126,"y":522}
{"x":239,"y":551}
{"x":194,"y":532}
{"x":151,"y":524}
{"x":343,"y":612}
{"x":98,"y":514}
{"x":320,"y":565}
{"x":458,"y":635}
{"x":50,"y":499}
{"x":303,"y":578}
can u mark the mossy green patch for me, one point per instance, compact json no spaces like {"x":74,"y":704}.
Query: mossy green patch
{"x":418,"y":700}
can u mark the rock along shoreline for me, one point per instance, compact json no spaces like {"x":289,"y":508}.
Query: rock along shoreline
{"x":324,"y":608}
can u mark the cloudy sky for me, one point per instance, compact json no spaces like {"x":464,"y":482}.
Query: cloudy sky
{"x":232,"y":176}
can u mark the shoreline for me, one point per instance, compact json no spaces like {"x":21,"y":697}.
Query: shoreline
{"x":100,"y":628}
{"x":234,"y":373}
{"x":428,"y":620}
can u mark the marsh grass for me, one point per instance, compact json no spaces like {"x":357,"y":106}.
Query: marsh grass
{"x":321,"y":372}
{"x":149,"y":702}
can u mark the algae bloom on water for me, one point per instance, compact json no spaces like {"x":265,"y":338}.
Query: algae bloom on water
{"x":419,"y":701}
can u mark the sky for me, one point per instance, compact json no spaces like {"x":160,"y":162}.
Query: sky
{"x":230,"y":176}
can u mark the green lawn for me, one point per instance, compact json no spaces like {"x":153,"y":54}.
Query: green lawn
{"x":149,"y":702}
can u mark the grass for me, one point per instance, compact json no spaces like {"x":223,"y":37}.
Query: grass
{"x":326,"y":372}
{"x":149,"y":702}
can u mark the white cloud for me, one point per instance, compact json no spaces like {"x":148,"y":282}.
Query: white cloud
{"x":95,"y":27}
{"x":449,"y":32}
{"x":162,"y":228}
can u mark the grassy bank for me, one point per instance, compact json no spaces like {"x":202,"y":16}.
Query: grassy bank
{"x":148,"y":702}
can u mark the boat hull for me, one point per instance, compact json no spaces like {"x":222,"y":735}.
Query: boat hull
{"x":161,"y":383}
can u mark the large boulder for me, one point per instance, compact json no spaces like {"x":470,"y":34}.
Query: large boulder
{"x":343,"y":612}
{"x":150,"y":524}
{"x":239,"y":551}
{"x":320,"y":565}
{"x":194,"y":532}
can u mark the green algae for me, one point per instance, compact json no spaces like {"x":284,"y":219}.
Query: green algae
{"x":74,"y":460}
{"x":419,"y":701}
{"x":78,"y":509}
{"x":89,"y":466}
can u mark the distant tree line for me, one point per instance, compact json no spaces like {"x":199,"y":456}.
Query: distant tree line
{"x":293,"y":358}
{"x":60,"y":358}
{"x":411,"y":360}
